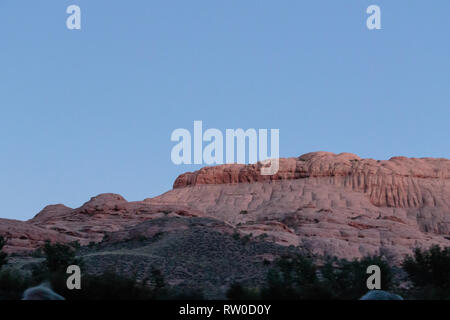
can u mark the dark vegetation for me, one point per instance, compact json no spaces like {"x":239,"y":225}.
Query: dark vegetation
{"x":106,"y":286}
{"x":298,"y":278}
{"x":429,"y":272}
{"x":426,"y":275}
{"x":292,"y":276}
{"x":3,"y":256}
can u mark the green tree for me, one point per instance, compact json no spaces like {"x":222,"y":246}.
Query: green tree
{"x":59,"y":256}
{"x":53,"y":270}
{"x":429,"y":271}
{"x":13,"y":284}
{"x":114,"y":286}
{"x":293,"y":278}
{"x":108,"y":286}
{"x":3,"y":255}
{"x":347,"y":280}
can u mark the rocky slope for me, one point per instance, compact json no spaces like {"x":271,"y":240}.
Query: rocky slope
{"x":192,"y":253}
{"x":104,"y":214}
{"x":325,"y":203}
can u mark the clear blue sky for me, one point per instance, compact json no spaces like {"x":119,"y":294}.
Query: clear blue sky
{"x":91,"y":111}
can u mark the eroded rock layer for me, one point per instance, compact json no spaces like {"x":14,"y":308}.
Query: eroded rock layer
{"x":328,"y":204}
{"x":399,"y":182}
{"x":333,"y":204}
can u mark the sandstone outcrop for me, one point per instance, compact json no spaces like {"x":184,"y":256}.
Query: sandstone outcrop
{"x":328,"y":204}
{"x":399,"y":182}
{"x":103,"y":214}
{"x":332,"y":204}
{"x":22,"y":236}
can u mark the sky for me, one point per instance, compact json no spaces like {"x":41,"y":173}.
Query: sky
{"x":91,"y":111}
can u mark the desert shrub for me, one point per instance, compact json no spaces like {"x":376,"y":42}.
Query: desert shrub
{"x":107,"y":286}
{"x":13,"y":284}
{"x":246,"y":239}
{"x":3,"y":255}
{"x":75,"y":245}
{"x":157,"y":283}
{"x":106,"y":237}
{"x":141,"y":238}
{"x":429,"y":271}
{"x":263,"y":236}
{"x":185,"y":294}
{"x":111,"y":286}
{"x":239,"y":292}
{"x":38,"y":253}
{"x":348,"y":279}
{"x":158,"y":236}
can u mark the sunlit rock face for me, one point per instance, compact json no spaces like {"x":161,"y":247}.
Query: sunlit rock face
{"x":332,"y":204}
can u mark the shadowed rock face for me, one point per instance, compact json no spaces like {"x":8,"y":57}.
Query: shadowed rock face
{"x":329,"y":204}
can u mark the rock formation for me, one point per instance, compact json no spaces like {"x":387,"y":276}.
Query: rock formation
{"x":332,"y":204}
{"x":326,"y":203}
{"x":103,"y":214}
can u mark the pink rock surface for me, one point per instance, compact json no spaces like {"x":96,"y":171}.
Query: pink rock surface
{"x":391,"y":183}
{"x":22,"y":236}
{"x":331,"y":204}
{"x":102,"y":214}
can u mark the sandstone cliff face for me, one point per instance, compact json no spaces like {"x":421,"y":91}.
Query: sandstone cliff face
{"x":399,"y":182}
{"x":332,"y":204}
{"x":326,"y":203}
